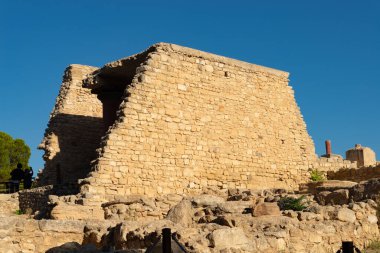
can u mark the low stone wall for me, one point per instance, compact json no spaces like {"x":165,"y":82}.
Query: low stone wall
{"x":325,"y":165}
{"x":236,"y":220}
{"x":123,"y":208}
{"x":355,"y":174}
{"x":135,"y":208}
{"x":210,"y":224}
{"x":18,"y":234}
{"x":35,"y":199}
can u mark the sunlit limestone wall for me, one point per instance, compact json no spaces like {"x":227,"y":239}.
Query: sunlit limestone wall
{"x":74,"y":130}
{"x":194,"y":120}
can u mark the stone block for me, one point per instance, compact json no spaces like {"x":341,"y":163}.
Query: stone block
{"x":76,"y":212}
{"x":229,"y":238}
{"x":345,"y":214}
{"x":207,"y":200}
{"x":181,"y":213}
{"x":266,"y":208}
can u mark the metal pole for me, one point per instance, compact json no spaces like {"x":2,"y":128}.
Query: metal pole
{"x":166,"y":240}
{"x":348,"y":247}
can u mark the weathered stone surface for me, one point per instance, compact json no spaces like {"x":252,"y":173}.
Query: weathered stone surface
{"x":65,"y":211}
{"x":345,"y":214}
{"x":266,"y":209}
{"x":181,"y":214}
{"x":317,"y":228}
{"x":229,"y":238}
{"x":366,"y":190}
{"x":207,"y":200}
{"x":337,"y":197}
{"x":63,"y":226}
{"x":74,"y":131}
{"x":38,"y":236}
{"x":234,"y":206}
{"x":171,"y":103}
{"x":9,"y":203}
{"x":322,"y":196}
{"x":356,"y":174}
{"x":372,"y":219}
{"x":332,"y":185}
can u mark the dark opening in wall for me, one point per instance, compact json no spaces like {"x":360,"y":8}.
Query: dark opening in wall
{"x":110,"y":83}
{"x":59,"y":176}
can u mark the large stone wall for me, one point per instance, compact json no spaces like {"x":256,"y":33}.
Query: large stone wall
{"x":74,"y":130}
{"x":191,"y":119}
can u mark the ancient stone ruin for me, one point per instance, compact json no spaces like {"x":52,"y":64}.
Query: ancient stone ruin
{"x":174,"y":120}
{"x":208,"y":146}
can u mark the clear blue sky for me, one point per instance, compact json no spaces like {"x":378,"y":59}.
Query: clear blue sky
{"x":331,"y":49}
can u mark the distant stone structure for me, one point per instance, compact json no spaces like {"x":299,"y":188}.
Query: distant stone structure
{"x":364,"y":156}
{"x":175,"y":120}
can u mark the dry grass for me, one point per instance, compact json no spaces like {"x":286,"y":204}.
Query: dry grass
{"x":373,"y":247}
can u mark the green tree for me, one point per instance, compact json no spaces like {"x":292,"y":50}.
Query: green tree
{"x":12,"y":152}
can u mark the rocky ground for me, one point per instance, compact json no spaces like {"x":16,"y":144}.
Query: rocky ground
{"x":216,"y":221}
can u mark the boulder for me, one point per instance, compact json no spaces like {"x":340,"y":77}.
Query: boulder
{"x":307,"y":216}
{"x":229,"y":238}
{"x":345,"y":214}
{"x":266,"y":209}
{"x":366,"y":190}
{"x":372,"y":219}
{"x":181,"y":213}
{"x":337,"y":197}
{"x":321,"y":197}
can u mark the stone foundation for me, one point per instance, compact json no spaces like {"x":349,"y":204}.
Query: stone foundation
{"x":236,"y":220}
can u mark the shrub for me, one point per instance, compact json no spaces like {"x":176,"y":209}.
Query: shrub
{"x":316,"y":176}
{"x":291,"y":203}
{"x":19,"y":212}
